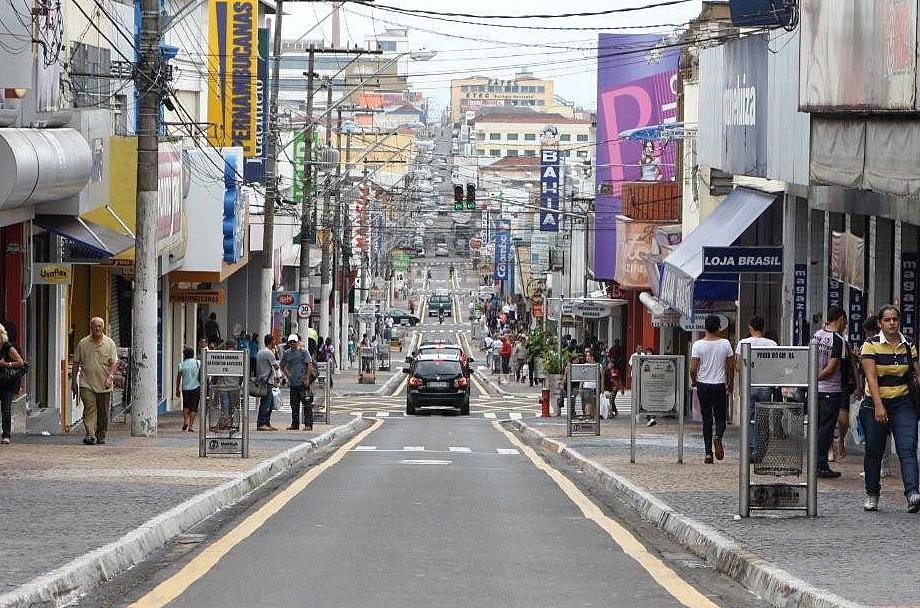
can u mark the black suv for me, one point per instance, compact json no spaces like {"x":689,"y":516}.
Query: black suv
{"x":439,"y":381}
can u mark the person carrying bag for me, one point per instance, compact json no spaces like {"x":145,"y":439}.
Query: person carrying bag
{"x":12,"y":369}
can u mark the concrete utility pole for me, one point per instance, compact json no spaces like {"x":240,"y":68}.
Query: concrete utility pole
{"x":303,"y":324}
{"x":339,"y":341}
{"x":325,"y":269}
{"x":271,"y":183}
{"x":148,"y":80}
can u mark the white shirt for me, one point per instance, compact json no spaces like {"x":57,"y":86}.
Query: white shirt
{"x":712,"y":355}
{"x":758,"y":341}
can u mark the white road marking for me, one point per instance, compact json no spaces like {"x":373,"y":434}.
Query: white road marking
{"x":357,"y":413}
{"x":490,"y":415}
{"x":424,"y":462}
{"x":382,"y":414}
{"x":458,"y":449}
{"x":507,"y":451}
{"x":413,"y":448}
{"x":365,"y":448}
{"x":515,"y":415}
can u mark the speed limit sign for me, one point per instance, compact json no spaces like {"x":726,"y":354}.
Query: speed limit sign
{"x":304,"y":311}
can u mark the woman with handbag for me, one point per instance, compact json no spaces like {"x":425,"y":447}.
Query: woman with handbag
{"x":891,"y":367}
{"x":12,"y":367}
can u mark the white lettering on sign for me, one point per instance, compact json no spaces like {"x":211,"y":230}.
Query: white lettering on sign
{"x":739,"y":104}
{"x":226,"y":363}
{"x":731,"y":261}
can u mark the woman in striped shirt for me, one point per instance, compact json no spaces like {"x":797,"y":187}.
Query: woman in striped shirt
{"x":887,"y":360}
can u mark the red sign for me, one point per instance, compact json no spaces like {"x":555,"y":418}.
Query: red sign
{"x":285,"y":299}
{"x":538,"y":310}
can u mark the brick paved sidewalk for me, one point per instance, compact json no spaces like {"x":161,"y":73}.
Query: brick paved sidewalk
{"x":840,"y":551}
{"x":62,"y":499}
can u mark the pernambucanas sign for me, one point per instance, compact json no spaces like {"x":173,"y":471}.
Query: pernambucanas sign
{"x":232,"y":73}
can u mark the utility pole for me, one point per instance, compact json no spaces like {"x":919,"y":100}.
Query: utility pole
{"x":303,"y":324}
{"x":339,"y":341}
{"x":325,"y":270}
{"x":148,"y":80}
{"x":271,"y":183}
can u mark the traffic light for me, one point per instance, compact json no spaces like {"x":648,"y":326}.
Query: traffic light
{"x":471,"y":197}
{"x":458,"y":197}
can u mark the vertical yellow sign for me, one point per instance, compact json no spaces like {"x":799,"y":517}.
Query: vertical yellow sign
{"x":232,"y":64}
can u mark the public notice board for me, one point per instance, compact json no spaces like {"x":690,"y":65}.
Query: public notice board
{"x":658,"y":384}
{"x":779,"y":366}
{"x":226,"y":363}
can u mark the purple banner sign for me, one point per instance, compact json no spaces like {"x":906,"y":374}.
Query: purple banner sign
{"x":636,"y":87}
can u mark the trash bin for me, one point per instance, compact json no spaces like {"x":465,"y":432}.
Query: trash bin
{"x":778,"y":438}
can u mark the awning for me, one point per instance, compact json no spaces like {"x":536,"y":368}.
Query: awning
{"x":681,"y":281}
{"x":99,"y":240}
{"x":662,"y":314}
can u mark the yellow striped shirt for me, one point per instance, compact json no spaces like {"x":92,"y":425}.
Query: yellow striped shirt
{"x":892,"y":364}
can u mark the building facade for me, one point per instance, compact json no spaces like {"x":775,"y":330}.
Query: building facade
{"x":523,"y":90}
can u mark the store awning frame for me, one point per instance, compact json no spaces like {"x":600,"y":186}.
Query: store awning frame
{"x":103,"y":241}
{"x":683,"y":281}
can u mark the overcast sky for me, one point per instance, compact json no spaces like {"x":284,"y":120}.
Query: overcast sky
{"x":568,"y":57}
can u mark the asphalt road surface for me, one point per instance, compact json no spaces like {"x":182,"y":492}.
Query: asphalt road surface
{"x":424,"y":511}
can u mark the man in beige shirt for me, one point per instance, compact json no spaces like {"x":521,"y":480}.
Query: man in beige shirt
{"x":97,"y":358}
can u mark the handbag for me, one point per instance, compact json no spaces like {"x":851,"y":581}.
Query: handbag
{"x":258,"y":387}
{"x":9,"y":375}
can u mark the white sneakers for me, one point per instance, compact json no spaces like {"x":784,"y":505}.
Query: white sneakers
{"x":871,"y":503}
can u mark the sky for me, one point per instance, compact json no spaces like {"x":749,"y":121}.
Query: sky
{"x":463,"y":49}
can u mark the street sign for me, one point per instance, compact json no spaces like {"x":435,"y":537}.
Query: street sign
{"x":226,"y":362}
{"x":304,"y":311}
{"x":779,"y":366}
{"x":584,"y":372}
{"x":590,"y":310}
{"x":698,"y":322}
{"x":658,"y":385}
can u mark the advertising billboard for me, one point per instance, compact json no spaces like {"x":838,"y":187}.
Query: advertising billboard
{"x":254,"y":169}
{"x":549,"y":190}
{"x":232,"y":70}
{"x":502,"y":266}
{"x":636,"y":87}
{"x":858,"y":55}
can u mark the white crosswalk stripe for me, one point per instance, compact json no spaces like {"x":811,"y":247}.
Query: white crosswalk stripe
{"x":459,"y":449}
{"x":515,"y":415}
{"x":365,"y":448}
{"x":490,"y":415}
{"x":382,"y":414}
{"x":507,"y":451}
{"x":413,"y":448}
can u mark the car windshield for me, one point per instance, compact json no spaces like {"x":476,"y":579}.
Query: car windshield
{"x":437,"y":368}
{"x":439,"y":299}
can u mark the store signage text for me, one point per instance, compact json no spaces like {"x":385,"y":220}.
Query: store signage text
{"x":52,"y":274}
{"x":742,"y":259}
{"x":549,"y":190}
{"x":799,"y":304}
{"x":909,"y":295}
{"x":739,"y":103}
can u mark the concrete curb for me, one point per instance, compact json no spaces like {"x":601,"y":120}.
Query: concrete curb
{"x":773,"y":584}
{"x":82,"y":575}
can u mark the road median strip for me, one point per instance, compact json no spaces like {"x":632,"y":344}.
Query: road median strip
{"x":765,"y":579}
{"x":84,"y":574}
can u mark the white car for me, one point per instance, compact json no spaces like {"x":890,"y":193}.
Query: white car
{"x":441,"y":250}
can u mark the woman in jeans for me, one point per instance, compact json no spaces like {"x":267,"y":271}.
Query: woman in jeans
{"x":9,"y":357}
{"x":887,"y":360}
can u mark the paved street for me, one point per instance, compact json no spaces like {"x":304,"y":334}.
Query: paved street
{"x":427,"y":511}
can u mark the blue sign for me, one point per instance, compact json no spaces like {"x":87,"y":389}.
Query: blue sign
{"x":742,"y":259}
{"x":909,"y":296}
{"x":856,"y":317}
{"x":549,"y":190}
{"x":502,"y":250}
{"x":254,"y":169}
{"x":234,"y":230}
{"x":799,"y":305}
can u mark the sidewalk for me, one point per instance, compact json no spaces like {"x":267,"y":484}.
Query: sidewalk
{"x":63,"y":499}
{"x":783,"y":556}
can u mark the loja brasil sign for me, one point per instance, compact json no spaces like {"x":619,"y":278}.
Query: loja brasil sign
{"x":742,"y":259}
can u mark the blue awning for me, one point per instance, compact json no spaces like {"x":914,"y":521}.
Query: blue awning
{"x":681,"y":280}
{"x":97,"y":239}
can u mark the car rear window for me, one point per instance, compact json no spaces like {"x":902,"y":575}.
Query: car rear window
{"x":437,"y":368}
{"x":439,"y":299}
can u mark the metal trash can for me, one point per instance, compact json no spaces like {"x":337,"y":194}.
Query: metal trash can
{"x":778,"y":438}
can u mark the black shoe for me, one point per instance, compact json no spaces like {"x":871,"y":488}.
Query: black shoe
{"x":828,"y":474}
{"x":89,"y":440}
{"x":100,"y":441}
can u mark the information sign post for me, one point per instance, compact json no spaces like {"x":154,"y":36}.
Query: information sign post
{"x":588,"y":422}
{"x":658,"y":389}
{"x":776,"y":437}
{"x":321,"y":392}
{"x":224,"y":407}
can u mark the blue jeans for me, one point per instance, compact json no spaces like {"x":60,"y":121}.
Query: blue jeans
{"x":828,"y":409}
{"x":902,"y":423}
{"x":265,"y":409}
{"x":760,"y":428}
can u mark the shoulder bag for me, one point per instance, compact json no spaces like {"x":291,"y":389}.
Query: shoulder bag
{"x":258,"y":387}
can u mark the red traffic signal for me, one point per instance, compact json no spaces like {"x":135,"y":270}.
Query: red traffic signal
{"x":470,"y":192}
{"x":458,"y":193}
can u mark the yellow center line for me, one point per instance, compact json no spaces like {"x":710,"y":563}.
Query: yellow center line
{"x":669,"y":580}
{"x":176,"y":585}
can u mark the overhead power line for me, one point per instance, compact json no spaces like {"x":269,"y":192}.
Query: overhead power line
{"x":611,"y":11}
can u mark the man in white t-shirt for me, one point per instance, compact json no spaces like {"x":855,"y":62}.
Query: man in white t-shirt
{"x":711,"y":361}
{"x":761,"y":429}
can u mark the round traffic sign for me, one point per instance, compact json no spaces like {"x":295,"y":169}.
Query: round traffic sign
{"x":304,"y":311}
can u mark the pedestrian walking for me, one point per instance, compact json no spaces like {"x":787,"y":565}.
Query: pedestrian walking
{"x":212,"y":331}
{"x":95,"y":361}
{"x":518,"y":359}
{"x":352,"y":352}
{"x":830,"y":393}
{"x":505,"y":354}
{"x":188,"y":386}
{"x":296,"y":365}
{"x":760,"y":431}
{"x":711,"y":361}
{"x":9,"y":385}
{"x":266,"y":364}
{"x":328,"y":352}
{"x":889,"y":360}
